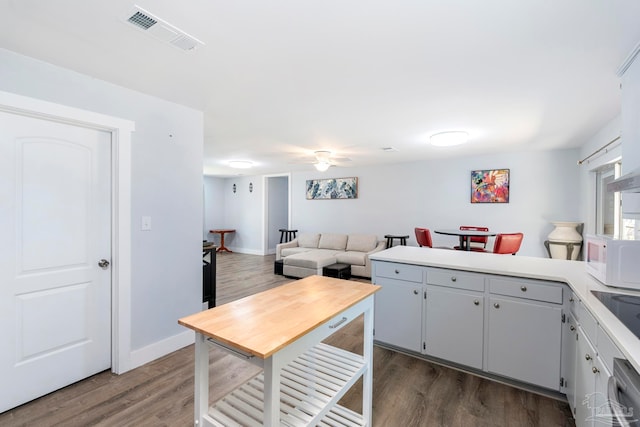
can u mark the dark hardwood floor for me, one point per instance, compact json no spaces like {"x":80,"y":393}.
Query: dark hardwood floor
{"x":407,"y":391}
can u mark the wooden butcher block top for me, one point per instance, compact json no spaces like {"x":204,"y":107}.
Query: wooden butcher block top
{"x":266,"y":322}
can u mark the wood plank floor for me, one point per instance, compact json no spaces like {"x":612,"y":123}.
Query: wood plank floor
{"x":407,"y":391}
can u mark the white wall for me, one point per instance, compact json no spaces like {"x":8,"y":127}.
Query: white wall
{"x":393,"y":199}
{"x":214,"y":206}
{"x":243,"y":211}
{"x":166,"y":185}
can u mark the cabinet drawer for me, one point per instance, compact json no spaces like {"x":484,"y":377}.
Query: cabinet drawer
{"x":607,"y":349}
{"x":573,"y":303}
{"x":455,"y":279}
{"x":409,"y":273}
{"x":587,"y":322}
{"x":527,"y":289}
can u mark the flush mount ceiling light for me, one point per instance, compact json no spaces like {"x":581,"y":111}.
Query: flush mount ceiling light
{"x":240,"y":164}
{"x":449,"y":139}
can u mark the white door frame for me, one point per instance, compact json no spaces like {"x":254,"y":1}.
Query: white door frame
{"x":120,"y":130}
{"x":265,"y":207}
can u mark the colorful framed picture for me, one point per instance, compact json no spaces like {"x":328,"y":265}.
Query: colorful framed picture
{"x":490,"y":186}
{"x":333,"y":188}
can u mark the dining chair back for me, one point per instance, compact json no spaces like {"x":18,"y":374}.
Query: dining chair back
{"x":481,"y":241}
{"x":507,"y":243}
{"x":477,"y":239}
{"x":423,"y":237}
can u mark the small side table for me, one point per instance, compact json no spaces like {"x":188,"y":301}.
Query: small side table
{"x":222,"y":232}
{"x":339,"y":271}
{"x":390,"y":238}
{"x":287,"y":235}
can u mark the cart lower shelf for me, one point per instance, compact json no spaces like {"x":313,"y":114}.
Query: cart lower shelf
{"x":310,"y":387}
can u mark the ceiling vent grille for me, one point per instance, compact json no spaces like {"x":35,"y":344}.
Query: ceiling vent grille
{"x":161,"y":30}
{"x":141,"y":20}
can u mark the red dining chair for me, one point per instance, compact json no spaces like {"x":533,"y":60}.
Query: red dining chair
{"x":423,"y":237}
{"x":507,"y":243}
{"x":475,"y":239}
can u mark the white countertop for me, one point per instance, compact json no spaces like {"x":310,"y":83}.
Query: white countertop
{"x":572,"y":273}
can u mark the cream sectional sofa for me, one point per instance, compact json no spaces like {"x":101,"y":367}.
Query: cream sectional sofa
{"x":309,"y":253}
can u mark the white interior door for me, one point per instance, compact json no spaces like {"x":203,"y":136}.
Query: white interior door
{"x":55,"y":227}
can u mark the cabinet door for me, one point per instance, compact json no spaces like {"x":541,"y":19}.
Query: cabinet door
{"x":585,"y":381}
{"x":569,"y":352}
{"x":524,"y":341}
{"x":398,"y":314}
{"x":454,"y":324}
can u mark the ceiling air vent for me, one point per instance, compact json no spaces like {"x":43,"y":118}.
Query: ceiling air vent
{"x":161,"y":30}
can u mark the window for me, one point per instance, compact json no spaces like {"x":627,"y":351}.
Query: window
{"x":608,"y":216}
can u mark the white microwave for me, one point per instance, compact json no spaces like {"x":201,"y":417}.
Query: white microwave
{"x":614,"y":262}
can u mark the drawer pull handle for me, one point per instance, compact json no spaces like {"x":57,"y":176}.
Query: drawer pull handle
{"x":338,"y":323}
{"x":496,"y":305}
{"x":397,"y":271}
{"x":523,"y":288}
{"x":571,"y":299}
{"x":573,"y":328}
{"x":595,"y":370}
{"x":587,"y":356}
{"x":415,"y":292}
{"x":476,"y":302}
{"x":454,"y":278}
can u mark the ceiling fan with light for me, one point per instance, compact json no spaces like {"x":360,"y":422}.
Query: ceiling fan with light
{"x":325,"y":159}
{"x":322,"y":160}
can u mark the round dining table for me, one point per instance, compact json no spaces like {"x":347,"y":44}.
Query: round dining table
{"x":465,"y":235}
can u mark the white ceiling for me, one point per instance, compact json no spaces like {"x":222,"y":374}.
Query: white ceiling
{"x":279,"y":79}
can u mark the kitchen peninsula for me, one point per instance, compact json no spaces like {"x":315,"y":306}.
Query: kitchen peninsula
{"x":531,"y":322}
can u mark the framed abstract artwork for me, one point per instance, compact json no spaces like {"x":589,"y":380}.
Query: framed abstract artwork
{"x":490,"y":186}
{"x":332,"y":188}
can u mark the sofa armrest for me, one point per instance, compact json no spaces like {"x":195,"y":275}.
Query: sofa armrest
{"x":280,"y":246}
{"x":382,"y":244}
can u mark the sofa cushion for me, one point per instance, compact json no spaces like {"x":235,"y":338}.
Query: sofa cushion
{"x":362,"y":242}
{"x":292,"y":251}
{"x":337,"y":242}
{"x":307,"y":240}
{"x":312,"y":259}
{"x":352,"y":258}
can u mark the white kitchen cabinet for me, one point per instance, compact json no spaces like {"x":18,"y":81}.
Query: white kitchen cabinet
{"x":592,"y":406}
{"x":398,"y":314}
{"x":502,"y":325}
{"x":569,"y":352}
{"x":524,"y":340}
{"x":594,"y":361}
{"x":454,"y":325}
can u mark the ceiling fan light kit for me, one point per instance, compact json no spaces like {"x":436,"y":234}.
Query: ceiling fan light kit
{"x":449,"y":139}
{"x":322,"y":166}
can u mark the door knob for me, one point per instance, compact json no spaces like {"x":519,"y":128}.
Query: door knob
{"x":103,"y":264}
{"x":496,"y":305}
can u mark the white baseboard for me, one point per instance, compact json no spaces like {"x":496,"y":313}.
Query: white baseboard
{"x":246,"y":251}
{"x":161,"y":348}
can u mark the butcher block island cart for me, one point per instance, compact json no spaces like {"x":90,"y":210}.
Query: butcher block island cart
{"x":281,"y":331}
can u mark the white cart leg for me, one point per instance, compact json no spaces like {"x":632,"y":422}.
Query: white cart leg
{"x":367,"y":380}
{"x":272,"y":369}
{"x":201,"y":380}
